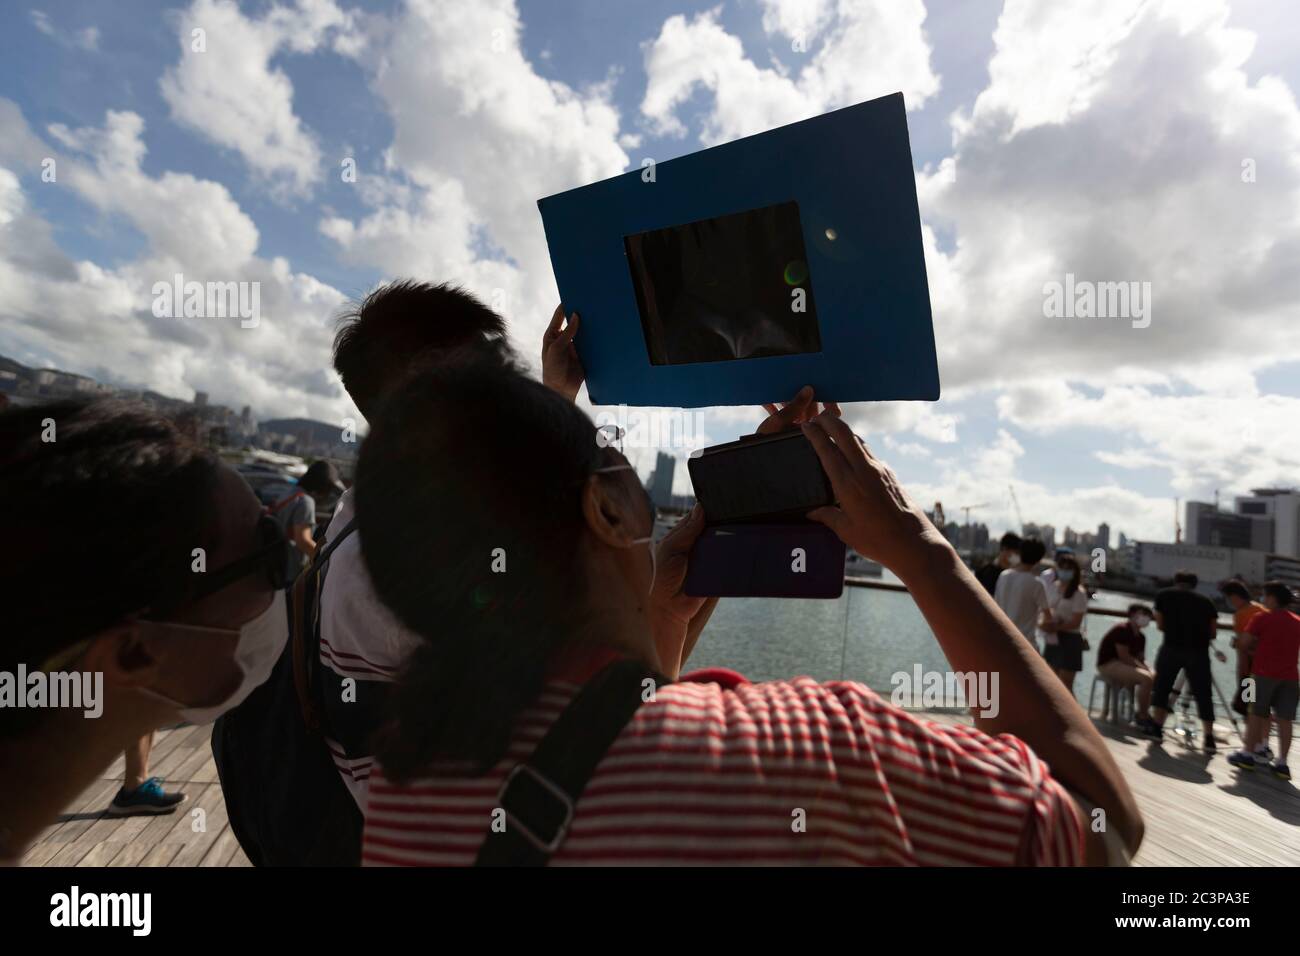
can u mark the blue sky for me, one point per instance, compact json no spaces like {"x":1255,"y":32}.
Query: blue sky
{"x":1106,"y":139}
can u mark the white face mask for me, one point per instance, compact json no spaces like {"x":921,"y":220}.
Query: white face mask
{"x":1013,"y":559}
{"x":650,"y":540}
{"x":1140,"y":621}
{"x":1066,"y":575}
{"x":260,"y":642}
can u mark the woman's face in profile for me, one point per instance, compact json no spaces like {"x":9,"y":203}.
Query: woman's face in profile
{"x":198,"y":667}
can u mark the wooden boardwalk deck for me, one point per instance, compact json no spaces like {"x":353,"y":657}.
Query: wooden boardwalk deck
{"x":85,"y":836}
{"x":1199,"y":811}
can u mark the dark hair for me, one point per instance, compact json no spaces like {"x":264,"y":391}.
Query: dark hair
{"x":1186,"y":577}
{"x":400,"y":324}
{"x":99,"y":523}
{"x":1140,"y":609}
{"x":1235,"y":589}
{"x":1068,"y":561}
{"x":464,"y":459}
{"x":1280,"y":593}
{"x":1010,"y":542}
{"x":1031,"y":550}
{"x":321,"y":479}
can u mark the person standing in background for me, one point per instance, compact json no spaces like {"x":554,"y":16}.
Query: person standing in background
{"x":1008,"y":557}
{"x":1188,"y":620}
{"x":296,"y":512}
{"x":1276,"y":672}
{"x":1061,"y":626}
{"x":1243,"y":610}
{"x":1020,"y":592}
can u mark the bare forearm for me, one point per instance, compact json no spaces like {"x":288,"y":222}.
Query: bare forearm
{"x":1033,"y":704}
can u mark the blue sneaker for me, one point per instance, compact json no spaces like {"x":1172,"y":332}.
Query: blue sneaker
{"x":149,"y":797}
{"x":1243,"y":759}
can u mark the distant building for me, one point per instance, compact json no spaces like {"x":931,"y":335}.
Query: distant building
{"x":1267,"y":520}
{"x":1157,"y":562}
{"x":1280,"y":507}
{"x":1103,"y":536}
{"x":1044,"y":532}
{"x":200,"y":399}
{"x":661,"y":481}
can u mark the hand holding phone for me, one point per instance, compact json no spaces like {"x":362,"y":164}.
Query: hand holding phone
{"x":874,"y":516}
{"x":758,"y":541}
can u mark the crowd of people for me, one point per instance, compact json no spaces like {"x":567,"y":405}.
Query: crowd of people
{"x":1051,"y":605}
{"x":485,"y":660}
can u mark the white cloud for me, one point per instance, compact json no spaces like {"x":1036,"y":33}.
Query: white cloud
{"x":1207,"y":441}
{"x":86,"y":39}
{"x":867,"y":49}
{"x":99,"y":320}
{"x":479,"y":136}
{"x":232,"y":95}
{"x":1109,"y":144}
{"x":983,"y":476}
{"x":1123,"y":162}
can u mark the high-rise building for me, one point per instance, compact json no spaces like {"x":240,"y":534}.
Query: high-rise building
{"x":1278,"y":509}
{"x":1268,"y":521}
{"x":661,"y":482}
{"x":1103,"y":536}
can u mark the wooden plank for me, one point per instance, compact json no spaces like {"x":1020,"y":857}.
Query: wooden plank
{"x":223,"y":849}
{"x":196,"y":845}
{"x":102,"y":853}
{"x":160,"y":855}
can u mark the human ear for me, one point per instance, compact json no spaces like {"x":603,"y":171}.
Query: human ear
{"x":123,"y":656}
{"x":602,"y":510}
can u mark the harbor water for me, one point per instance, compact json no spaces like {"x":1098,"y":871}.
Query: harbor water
{"x":869,"y":634}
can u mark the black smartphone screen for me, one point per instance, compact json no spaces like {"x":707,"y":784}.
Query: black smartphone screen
{"x":731,"y":287}
{"x":760,"y":478}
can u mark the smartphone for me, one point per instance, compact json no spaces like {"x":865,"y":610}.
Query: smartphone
{"x":758,"y":541}
{"x":760,"y":478}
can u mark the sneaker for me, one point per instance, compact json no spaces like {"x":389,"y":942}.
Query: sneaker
{"x":1243,"y":759}
{"x":1151,"y":728}
{"x":1210,"y":747}
{"x":1281,"y":771}
{"x":1263,"y":754}
{"x":149,"y":797}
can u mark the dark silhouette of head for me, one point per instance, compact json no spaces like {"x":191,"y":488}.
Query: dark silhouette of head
{"x":403,"y":324}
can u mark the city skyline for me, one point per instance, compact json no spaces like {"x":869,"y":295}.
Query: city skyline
{"x":305,"y":151}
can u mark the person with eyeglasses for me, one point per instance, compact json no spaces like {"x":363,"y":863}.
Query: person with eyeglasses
{"x":517,"y":547}
{"x":137,"y":557}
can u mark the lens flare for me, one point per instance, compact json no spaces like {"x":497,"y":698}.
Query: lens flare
{"x":795,"y":272}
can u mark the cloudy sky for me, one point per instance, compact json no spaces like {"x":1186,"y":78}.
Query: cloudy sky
{"x":1117,"y":140}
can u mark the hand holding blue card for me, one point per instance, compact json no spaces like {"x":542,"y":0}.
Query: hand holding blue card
{"x":740,"y":273}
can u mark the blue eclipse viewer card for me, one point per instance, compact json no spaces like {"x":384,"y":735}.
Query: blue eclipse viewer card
{"x":740,"y":273}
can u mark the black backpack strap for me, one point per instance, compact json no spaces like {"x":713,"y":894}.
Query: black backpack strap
{"x":539,"y":795}
{"x":305,"y":634}
{"x":327,"y":547}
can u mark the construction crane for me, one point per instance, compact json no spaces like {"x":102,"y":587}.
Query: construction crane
{"x":968,"y":508}
{"x":1019,"y":517}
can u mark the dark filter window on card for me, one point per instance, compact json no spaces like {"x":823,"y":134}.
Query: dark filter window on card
{"x":724,"y":288}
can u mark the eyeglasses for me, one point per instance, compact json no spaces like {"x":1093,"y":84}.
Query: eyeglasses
{"x":271,"y":558}
{"x":650,"y":502}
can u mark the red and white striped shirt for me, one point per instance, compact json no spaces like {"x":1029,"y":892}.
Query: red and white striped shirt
{"x":785,"y":773}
